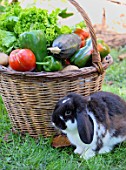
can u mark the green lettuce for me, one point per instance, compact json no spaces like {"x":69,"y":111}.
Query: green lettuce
{"x":8,"y":41}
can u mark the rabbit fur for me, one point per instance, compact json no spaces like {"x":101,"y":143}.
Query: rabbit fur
{"x":94,"y":124}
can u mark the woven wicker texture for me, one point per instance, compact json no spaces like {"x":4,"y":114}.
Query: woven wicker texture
{"x":30,"y":97}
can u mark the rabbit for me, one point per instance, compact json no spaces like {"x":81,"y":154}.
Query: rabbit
{"x":93,"y":124}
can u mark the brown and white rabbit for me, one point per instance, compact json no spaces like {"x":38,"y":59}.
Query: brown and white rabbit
{"x":94,"y":124}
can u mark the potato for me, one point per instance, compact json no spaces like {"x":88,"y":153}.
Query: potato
{"x":4,"y":59}
{"x":70,"y":67}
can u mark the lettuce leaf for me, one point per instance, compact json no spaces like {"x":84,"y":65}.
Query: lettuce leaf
{"x":7,"y":41}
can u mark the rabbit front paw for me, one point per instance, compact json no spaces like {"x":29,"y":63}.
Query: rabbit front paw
{"x":79,"y":150}
{"x":87,"y":154}
{"x":105,"y":149}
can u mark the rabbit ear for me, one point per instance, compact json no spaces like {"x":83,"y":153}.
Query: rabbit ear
{"x":85,"y":127}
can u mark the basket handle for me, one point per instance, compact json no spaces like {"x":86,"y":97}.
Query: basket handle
{"x":96,"y":59}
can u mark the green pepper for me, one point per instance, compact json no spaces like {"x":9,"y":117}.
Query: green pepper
{"x":103,"y":48}
{"x":35,"y":41}
{"x":50,"y":64}
{"x":83,"y":55}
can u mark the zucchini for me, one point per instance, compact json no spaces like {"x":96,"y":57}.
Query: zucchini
{"x":65,"y":45}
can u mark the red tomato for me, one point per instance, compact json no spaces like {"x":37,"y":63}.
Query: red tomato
{"x":22,"y":60}
{"x":82,"y":32}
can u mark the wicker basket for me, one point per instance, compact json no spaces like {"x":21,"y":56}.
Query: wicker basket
{"x":30,"y":97}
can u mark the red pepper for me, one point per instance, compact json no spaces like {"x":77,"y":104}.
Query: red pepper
{"x":83,"y":34}
{"x":67,"y":62}
{"x":83,"y":43}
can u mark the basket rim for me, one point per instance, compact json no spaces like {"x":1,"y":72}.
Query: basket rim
{"x":58,"y":74}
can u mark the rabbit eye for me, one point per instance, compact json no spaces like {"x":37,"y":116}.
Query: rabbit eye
{"x":68,"y":113}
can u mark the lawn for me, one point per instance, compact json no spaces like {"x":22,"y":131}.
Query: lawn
{"x":26,"y":153}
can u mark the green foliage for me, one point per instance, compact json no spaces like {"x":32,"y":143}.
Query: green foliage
{"x":2,"y":9}
{"x":64,"y":13}
{"x":10,"y":11}
{"x":81,"y":24}
{"x":38,"y":19}
{"x":7,"y":41}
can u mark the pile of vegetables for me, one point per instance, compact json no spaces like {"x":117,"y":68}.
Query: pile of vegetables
{"x":16,"y":20}
{"x":34,"y":41}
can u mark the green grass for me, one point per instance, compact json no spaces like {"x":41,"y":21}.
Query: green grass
{"x":26,"y":153}
{"x":116,"y":76}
